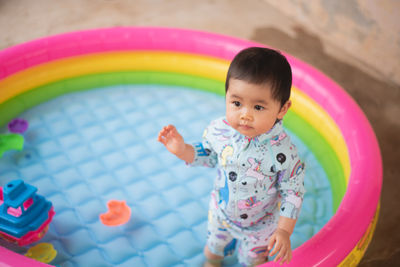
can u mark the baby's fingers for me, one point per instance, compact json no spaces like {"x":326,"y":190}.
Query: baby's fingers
{"x":161,"y":138}
{"x":162,"y":135}
{"x":288,"y":256}
{"x":172,"y":131}
{"x":276,"y":249}
{"x":166,"y":131}
{"x":271,"y":243}
{"x":170,"y":128}
{"x":281,"y":257}
{"x":163,"y":131}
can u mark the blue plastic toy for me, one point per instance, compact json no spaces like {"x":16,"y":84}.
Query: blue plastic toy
{"x":24,"y":215}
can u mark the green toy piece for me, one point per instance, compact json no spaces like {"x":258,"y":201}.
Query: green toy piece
{"x":9,"y":142}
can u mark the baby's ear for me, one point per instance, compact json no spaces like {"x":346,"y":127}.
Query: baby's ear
{"x":284,"y":109}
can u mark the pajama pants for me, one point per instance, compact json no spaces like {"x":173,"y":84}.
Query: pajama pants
{"x":223,"y":235}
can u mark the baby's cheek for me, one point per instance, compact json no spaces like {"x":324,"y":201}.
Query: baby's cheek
{"x":231,"y":118}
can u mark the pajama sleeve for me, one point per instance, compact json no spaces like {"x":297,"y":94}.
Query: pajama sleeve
{"x":291,"y":187}
{"x":204,"y":154}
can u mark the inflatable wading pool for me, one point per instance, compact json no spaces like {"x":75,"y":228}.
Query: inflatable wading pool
{"x":323,"y":115}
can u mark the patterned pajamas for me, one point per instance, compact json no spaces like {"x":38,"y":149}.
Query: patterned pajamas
{"x":259,"y":180}
{"x":223,"y":236}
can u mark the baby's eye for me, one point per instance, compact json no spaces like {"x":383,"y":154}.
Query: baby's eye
{"x":236,"y":103}
{"x":258,"y":107}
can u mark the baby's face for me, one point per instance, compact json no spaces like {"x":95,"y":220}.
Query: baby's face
{"x":250,"y":108}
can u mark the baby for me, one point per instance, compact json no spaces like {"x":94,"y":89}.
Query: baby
{"x":259,"y":189}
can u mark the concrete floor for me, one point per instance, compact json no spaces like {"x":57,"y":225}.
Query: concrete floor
{"x":21,"y":21}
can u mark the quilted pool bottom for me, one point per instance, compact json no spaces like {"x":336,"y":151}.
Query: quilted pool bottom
{"x":84,"y":149}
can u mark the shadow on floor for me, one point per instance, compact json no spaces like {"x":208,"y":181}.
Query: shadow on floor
{"x":380,"y":102}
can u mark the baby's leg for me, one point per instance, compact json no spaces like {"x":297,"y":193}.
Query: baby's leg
{"x":253,"y":248}
{"x":252,"y":256}
{"x":212,"y":260}
{"x":220,"y":242}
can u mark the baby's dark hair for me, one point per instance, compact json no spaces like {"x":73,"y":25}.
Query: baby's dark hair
{"x":259,"y":65}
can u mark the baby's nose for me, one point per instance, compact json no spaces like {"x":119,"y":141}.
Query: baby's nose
{"x":246,"y":116}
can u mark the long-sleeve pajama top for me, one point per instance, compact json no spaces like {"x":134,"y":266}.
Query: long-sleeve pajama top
{"x":254,"y":175}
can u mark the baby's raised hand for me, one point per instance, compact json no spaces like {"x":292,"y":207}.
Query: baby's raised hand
{"x":281,"y":240}
{"x":172,"y":140}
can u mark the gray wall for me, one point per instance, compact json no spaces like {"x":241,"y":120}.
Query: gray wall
{"x":367,"y":30}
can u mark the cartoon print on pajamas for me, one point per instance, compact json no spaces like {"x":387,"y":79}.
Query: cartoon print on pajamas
{"x":277,"y":139}
{"x":223,"y":134}
{"x":256,"y":251}
{"x":254,"y":176}
{"x":230,"y":248}
{"x":254,"y":170}
{"x":249,"y":203}
{"x":293,"y":203}
{"x":226,"y":152}
{"x":224,"y":194}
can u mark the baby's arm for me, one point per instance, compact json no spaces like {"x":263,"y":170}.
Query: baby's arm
{"x":281,"y":240}
{"x":175,"y":144}
{"x":291,"y":188}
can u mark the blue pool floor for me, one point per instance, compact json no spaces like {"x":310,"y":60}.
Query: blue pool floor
{"x":84,"y":149}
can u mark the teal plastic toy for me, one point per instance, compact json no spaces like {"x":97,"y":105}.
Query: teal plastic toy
{"x":24,"y":215}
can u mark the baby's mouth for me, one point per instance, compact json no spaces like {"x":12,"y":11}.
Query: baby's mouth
{"x":245,"y":126}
